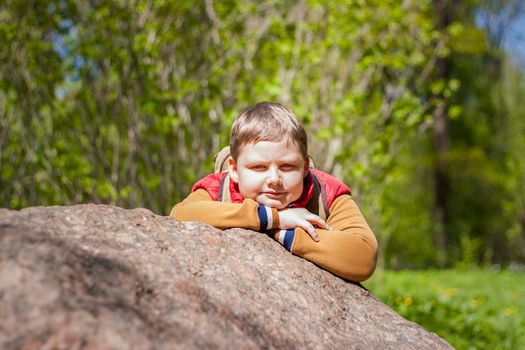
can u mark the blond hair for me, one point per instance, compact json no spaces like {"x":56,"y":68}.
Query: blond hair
{"x":267,"y":121}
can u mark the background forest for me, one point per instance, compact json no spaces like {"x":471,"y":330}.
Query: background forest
{"x":418,"y":105}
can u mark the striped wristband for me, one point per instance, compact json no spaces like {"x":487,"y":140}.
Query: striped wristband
{"x":286,"y":238}
{"x":265,"y":217}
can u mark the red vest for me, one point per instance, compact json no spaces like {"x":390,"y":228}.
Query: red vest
{"x":319,"y":190}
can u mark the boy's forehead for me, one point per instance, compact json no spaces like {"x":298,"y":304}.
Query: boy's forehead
{"x":265,"y":150}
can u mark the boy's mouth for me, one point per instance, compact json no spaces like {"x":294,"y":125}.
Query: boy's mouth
{"x":274,"y":194}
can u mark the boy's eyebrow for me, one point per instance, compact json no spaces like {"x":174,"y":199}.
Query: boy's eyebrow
{"x":290,"y":160}
{"x":255,"y":159}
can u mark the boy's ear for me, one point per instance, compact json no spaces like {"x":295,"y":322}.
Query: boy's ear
{"x":232,"y":170}
{"x":307,"y":163}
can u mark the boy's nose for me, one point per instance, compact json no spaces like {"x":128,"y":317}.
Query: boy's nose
{"x":274,"y":178}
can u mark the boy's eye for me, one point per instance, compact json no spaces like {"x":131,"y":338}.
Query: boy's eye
{"x":258,"y":167}
{"x":288,"y":166}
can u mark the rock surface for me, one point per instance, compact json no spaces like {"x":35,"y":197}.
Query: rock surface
{"x":101,"y":277}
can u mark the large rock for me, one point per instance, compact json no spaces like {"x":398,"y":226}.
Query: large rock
{"x":101,"y":277}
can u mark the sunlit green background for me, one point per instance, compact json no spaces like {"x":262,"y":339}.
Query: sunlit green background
{"x":419,"y":106}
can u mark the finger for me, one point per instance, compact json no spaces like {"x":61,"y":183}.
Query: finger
{"x":324,"y":225}
{"x":320,"y":222}
{"x":311,"y":231}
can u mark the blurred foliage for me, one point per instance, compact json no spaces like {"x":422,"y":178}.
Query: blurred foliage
{"x":126,"y":102}
{"x":471,"y":309}
{"x":484,"y":161}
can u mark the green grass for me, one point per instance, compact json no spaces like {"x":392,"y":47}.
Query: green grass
{"x":476,"y":309}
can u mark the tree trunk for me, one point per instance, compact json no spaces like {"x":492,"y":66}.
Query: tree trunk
{"x":441,"y":139}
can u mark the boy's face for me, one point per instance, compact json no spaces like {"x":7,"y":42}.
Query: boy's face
{"x":271,"y":173}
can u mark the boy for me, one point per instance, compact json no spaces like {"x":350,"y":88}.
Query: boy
{"x":269,"y":186}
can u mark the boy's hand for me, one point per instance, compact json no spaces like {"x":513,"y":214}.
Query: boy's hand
{"x":301,"y":217}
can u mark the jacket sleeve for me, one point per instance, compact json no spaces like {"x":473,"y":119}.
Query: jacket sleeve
{"x":199,"y":206}
{"x":349,"y":251}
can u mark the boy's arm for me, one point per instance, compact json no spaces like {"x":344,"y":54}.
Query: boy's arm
{"x":349,"y":251}
{"x":199,"y":206}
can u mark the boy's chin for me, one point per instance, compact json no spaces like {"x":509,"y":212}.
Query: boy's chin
{"x":272,"y":203}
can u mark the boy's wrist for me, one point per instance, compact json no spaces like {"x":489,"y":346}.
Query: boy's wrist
{"x":268,"y":218}
{"x":285,"y":237}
